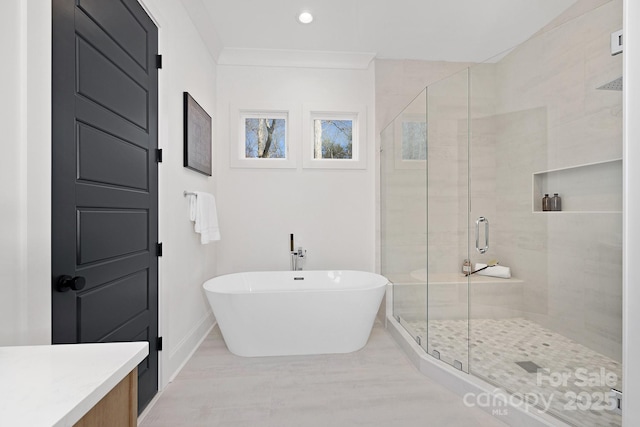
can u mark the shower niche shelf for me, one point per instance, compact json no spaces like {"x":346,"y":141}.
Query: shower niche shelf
{"x":588,"y":188}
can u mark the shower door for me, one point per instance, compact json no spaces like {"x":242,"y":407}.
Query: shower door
{"x":540,"y":125}
{"x":403,"y":207}
{"x":542,"y":118}
{"x":447,"y":219}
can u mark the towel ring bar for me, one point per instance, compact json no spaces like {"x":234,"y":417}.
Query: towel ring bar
{"x":190,"y":193}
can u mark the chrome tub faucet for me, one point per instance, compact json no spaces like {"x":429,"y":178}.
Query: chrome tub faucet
{"x":297,"y":256}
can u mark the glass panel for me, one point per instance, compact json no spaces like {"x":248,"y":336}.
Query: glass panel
{"x":545,"y":321}
{"x":447,"y":219}
{"x":552,"y":331}
{"x":403,"y":216}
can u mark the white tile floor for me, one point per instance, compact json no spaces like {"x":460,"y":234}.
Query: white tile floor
{"x":376,"y":386}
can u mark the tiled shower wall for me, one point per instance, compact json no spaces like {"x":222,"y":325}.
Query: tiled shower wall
{"x":533,"y":110}
{"x":549,"y":115}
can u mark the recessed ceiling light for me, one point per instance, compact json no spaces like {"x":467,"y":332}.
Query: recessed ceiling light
{"x":305,"y":17}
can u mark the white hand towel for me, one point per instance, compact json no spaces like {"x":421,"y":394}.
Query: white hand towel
{"x":202,"y":210}
{"x":495,"y":271}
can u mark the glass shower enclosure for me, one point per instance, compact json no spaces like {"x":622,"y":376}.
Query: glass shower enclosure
{"x":464,"y":170}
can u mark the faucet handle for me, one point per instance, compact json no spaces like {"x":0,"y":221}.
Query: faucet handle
{"x":298,"y":258}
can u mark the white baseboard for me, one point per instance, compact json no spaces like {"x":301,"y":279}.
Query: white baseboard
{"x":188,"y":345}
{"x":181,"y":355}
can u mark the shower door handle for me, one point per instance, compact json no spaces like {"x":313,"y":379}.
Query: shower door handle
{"x":486,"y":234}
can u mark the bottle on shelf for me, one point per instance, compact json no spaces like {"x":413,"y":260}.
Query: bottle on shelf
{"x":466,"y":267}
{"x":546,"y":203}
{"x":556,"y":202}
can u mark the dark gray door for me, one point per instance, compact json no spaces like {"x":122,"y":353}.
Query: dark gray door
{"x":105,"y":178}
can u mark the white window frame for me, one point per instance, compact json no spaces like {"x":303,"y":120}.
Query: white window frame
{"x":358,"y":116}
{"x":237,"y":150}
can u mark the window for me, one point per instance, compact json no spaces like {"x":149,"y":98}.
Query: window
{"x":414,"y":140}
{"x":265,"y":138}
{"x":261,"y":139}
{"x":410,"y":141}
{"x":334,"y":139}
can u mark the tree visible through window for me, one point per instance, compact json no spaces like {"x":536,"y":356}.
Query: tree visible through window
{"x":333,"y":139}
{"x":265,"y":138}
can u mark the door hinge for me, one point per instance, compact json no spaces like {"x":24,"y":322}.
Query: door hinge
{"x":158,"y":61}
{"x":158,"y":249}
{"x":159,"y":155}
{"x":159,"y":343}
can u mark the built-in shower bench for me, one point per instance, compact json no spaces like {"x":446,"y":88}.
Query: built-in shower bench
{"x":447,"y":296}
{"x":419,"y":277}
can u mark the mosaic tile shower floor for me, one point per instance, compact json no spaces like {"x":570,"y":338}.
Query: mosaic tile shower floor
{"x":497,"y":345}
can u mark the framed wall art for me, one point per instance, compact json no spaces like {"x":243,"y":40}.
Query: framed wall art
{"x":197,"y":136}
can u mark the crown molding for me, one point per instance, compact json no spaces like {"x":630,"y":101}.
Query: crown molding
{"x":295,"y":58}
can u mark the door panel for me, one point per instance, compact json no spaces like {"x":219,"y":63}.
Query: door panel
{"x":125,"y":298}
{"x":90,"y":112}
{"x":101,"y":81}
{"x":103,"y":158}
{"x":104,"y":174}
{"x":123,"y":25}
{"x":108,"y":234}
{"x":90,"y":31}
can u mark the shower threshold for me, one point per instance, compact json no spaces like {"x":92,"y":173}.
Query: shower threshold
{"x":491,"y":392}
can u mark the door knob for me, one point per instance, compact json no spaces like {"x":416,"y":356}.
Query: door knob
{"x":67,"y":282}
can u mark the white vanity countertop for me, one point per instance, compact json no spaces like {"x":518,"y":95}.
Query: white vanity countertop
{"x":56,"y":385}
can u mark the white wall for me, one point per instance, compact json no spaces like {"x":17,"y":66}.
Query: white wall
{"x":331,"y":212}
{"x":631,"y":313}
{"x":25,"y":182}
{"x":11,"y":226}
{"x":185,"y":315}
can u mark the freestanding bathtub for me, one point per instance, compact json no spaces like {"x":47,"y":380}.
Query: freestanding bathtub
{"x":278,"y":313}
